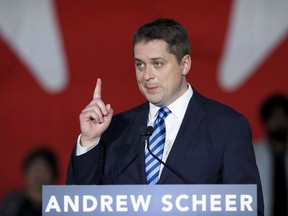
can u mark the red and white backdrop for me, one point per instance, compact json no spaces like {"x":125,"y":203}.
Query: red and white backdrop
{"x":52,"y":52}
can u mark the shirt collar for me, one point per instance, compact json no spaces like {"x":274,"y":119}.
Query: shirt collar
{"x":178,"y":107}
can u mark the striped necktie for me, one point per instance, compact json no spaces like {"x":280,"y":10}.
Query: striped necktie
{"x":156,"y":143}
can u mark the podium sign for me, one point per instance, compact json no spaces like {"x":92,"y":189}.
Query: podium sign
{"x":192,"y":200}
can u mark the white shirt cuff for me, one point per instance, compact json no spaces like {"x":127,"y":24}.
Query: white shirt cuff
{"x":82,"y":150}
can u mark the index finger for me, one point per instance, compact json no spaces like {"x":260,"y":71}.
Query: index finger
{"x":97,"y":91}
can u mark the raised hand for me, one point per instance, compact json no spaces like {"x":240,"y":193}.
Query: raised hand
{"x":95,"y":118}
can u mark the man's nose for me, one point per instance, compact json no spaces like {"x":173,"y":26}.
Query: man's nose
{"x":149,"y":73}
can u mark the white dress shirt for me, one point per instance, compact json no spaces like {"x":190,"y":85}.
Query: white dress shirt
{"x":172,"y":122}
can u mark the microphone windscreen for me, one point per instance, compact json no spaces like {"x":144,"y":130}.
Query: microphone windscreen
{"x":149,"y":130}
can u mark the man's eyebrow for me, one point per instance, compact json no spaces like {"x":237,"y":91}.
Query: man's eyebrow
{"x":151,"y":59}
{"x":136,"y":59}
{"x":156,"y":58}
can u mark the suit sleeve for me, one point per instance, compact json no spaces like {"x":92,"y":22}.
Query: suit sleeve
{"x":239,"y":165}
{"x":87,"y":168}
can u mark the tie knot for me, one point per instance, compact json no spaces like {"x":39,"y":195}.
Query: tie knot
{"x":163,"y":112}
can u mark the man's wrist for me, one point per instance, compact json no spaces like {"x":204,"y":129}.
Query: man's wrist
{"x":86,"y":143}
{"x":80,"y":149}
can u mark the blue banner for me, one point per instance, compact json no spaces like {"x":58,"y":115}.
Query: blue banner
{"x":200,"y":200}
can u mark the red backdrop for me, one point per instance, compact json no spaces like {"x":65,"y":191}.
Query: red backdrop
{"x":97,"y":39}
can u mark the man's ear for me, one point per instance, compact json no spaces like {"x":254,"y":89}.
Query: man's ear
{"x":186,"y":64}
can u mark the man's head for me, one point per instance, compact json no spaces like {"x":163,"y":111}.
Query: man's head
{"x":40,"y":168}
{"x":167,"y":30}
{"x":162,"y":61}
{"x":274,"y":115}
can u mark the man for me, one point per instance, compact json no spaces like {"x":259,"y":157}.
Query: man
{"x":272,"y":154}
{"x":205,"y":142}
{"x":40,"y":167}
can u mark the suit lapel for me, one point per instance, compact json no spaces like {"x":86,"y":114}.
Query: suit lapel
{"x":193,"y":116}
{"x":141,"y":118}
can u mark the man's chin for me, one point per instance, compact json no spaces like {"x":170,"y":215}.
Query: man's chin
{"x":155,"y":102}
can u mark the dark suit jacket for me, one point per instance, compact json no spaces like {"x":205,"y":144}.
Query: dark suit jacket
{"x":213,"y":146}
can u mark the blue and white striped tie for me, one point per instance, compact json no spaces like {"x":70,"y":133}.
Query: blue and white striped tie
{"x":156,"y":143}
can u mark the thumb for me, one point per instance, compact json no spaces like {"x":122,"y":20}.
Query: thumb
{"x":109,"y":110}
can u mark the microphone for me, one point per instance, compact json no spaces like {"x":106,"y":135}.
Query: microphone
{"x":146,"y":136}
{"x":146,"y":133}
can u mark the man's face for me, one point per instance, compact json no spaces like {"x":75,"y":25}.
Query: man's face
{"x":161,"y":79}
{"x":38,"y":173}
{"x":277,"y":125}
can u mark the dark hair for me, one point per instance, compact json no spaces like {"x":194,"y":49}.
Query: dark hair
{"x":46,"y":154}
{"x":167,"y":30}
{"x":269,"y":105}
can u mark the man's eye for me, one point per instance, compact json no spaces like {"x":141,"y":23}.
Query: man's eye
{"x":158,"y":64}
{"x":139,"y":65}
